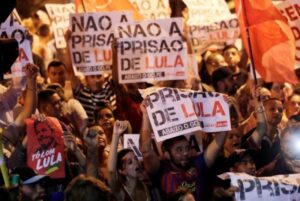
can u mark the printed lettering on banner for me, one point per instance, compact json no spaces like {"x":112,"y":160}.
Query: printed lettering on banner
{"x":59,"y":15}
{"x":46,"y":153}
{"x":12,"y":28}
{"x":132,"y":141}
{"x":203,"y":12}
{"x":151,"y":50}
{"x":275,"y":188}
{"x":290,"y":9}
{"x":92,"y":36}
{"x":222,"y":32}
{"x":152,"y":9}
{"x":173,"y":112}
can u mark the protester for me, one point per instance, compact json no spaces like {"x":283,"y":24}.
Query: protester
{"x":179,"y":166}
{"x":32,"y":186}
{"x":84,"y":188}
{"x":112,"y":70}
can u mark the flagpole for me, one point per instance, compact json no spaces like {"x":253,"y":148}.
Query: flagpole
{"x":249,"y":43}
{"x":83,"y":6}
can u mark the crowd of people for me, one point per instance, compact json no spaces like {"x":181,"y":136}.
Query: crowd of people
{"x":93,"y":113}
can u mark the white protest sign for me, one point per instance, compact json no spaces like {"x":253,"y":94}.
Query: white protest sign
{"x":12,"y":28}
{"x":223,"y":31}
{"x":173,"y":112}
{"x":203,"y":12}
{"x":152,"y":9}
{"x":291,"y":11}
{"x":151,"y":50}
{"x":275,"y":188}
{"x":92,"y":35}
{"x":132,"y":141}
{"x":59,"y":15}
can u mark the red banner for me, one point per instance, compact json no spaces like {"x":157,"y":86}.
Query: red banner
{"x":45,"y":149}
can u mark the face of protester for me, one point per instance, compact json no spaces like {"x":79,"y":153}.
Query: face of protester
{"x":56,"y":106}
{"x":216,"y":61}
{"x":131,"y":166}
{"x":57,"y":74}
{"x":33,"y":192}
{"x":293,"y":105}
{"x":102,"y":141}
{"x":273,"y":109}
{"x":245,"y":165}
{"x":94,"y":82}
{"x":232,"y":56}
{"x":277,"y":91}
{"x":106,"y":119}
{"x":45,"y":135}
{"x":180,"y":154}
{"x":226,"y":86}
{"x":232,"y":142}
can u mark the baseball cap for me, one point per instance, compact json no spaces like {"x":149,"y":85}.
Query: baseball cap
{"x":28,"y":175}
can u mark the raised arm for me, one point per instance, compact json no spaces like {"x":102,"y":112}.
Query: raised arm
{"x":92,"y":157}
{"x":150,"y":158}
{"x":71,"y":145}
{"x":69,"y":65}
{"x":31,"y":95}
{"x":114,"y":183}
{"x":261,"y":120}
{"x":214,"y":148}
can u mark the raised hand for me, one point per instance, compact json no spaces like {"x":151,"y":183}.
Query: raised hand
{"x":31,"y":71}
{"x":69,"y":140}
{"x":120,"y":127}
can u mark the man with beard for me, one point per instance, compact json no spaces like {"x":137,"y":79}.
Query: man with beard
{"x":45,"y":135}
{"x":223,"y":81}
{"x":180,"y":169}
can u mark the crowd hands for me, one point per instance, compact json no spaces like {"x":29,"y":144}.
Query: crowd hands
{"x":94,"y":112}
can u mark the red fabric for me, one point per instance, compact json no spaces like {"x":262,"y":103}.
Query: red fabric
{"x":272,"y":40}
{"x":106,"y":5}
{"x":45,"y":149}
{"x":127,"y":109}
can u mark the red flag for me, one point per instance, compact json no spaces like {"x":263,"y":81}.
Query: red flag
{"x":45,"y":151}
{"x":106,"y":5}
{"x":272,"y":40}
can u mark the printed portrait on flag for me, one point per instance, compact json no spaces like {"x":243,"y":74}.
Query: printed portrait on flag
{"x":45,"y":153}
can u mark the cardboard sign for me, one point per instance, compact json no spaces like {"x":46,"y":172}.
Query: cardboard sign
{"x":45,"y":150}
{"x":92,"y":35}
{"x":151,"y":50}
{"x":173,"y":112}
{"x":12,"y":28}
{"x":59,"y":14}
{"x":290,"y":9}
{"x":132,"y":141}
{"x":152,"y":9}
{"x":275,"y":188}
{"x":219,"y":32}
{"x":203,"y":12}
